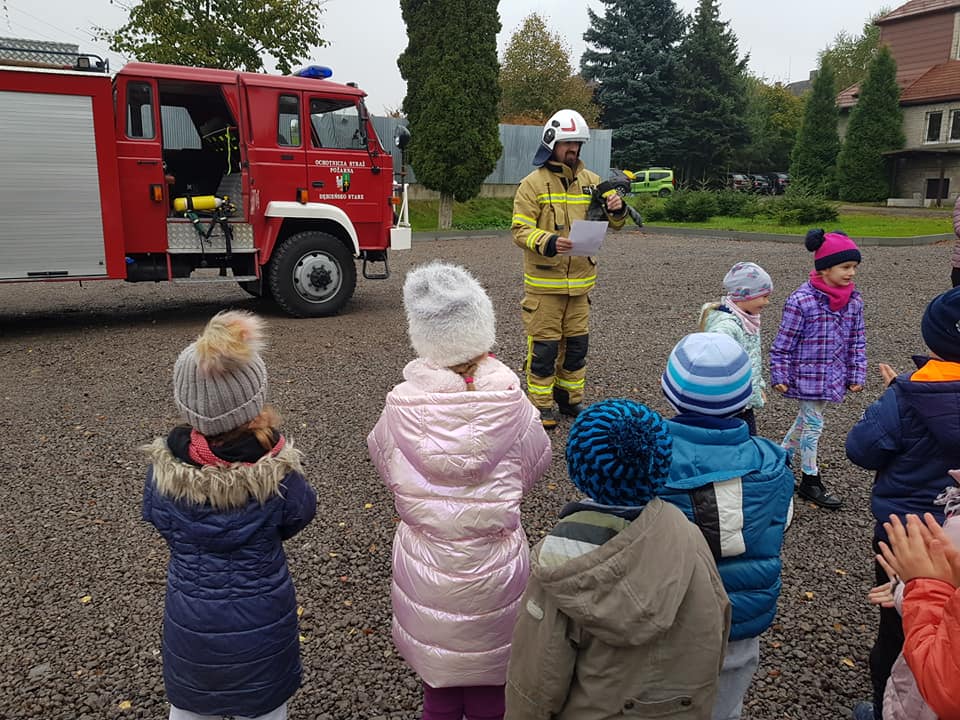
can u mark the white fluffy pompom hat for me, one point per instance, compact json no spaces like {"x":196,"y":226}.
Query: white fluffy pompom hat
{"x":449,"y":316}
{"x":220,"y":381}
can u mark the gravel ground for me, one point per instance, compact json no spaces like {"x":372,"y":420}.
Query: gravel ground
{"x":86,"y":380}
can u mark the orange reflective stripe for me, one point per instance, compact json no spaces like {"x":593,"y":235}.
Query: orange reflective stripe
{"x":937,"y":371}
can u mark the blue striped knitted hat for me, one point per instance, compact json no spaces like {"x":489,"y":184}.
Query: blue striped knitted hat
{"x":708,"y":373}
{"x":619,"y":452}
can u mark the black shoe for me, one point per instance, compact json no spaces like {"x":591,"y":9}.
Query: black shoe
{"x":811,"y":488}
{"x":570,"y":410}
{"x":548,"y":418}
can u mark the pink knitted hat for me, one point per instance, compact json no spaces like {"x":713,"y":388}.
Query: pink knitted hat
{"x":832,"y":248}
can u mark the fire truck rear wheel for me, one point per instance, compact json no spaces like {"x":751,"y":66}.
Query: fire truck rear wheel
{"x":312,"y":273}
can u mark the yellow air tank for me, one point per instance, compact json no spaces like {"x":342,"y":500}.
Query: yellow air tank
{"x":197,"y":202}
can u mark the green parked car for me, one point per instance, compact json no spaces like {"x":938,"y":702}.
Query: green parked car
{"x":658,"y":181}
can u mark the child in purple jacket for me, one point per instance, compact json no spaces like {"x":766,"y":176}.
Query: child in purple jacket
{"x":820,"y":350}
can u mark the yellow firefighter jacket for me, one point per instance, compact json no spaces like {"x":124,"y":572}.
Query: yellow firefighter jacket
{"x":547,"y":202}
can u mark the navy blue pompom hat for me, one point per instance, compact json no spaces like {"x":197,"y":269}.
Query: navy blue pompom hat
{"x":940,"y":326}
{"x":619,"y":452}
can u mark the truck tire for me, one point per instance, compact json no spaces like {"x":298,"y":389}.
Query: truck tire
{"x":312,"y":274}
{"x":664,"y":193}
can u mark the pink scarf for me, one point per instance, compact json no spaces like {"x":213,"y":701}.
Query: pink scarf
{"x":839,"y":296}
{"x":751,"y":323}
{"x":201,"y":453}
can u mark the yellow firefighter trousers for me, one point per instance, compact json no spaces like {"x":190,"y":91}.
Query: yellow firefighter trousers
{"x":557,"y":328}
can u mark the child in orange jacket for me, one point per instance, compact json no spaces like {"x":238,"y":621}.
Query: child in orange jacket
{"x":923,"y":557}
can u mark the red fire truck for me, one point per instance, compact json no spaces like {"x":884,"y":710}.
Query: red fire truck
{"x":188,"y":174}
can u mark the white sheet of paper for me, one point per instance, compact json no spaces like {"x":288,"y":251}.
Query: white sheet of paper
{"x":587,"y":236}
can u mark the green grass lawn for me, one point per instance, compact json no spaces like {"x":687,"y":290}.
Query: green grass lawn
{"x":496,"y":213}
{"x":476,"y":214}
{"x":856,"y":225}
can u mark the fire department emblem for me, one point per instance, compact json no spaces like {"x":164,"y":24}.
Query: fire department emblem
{"x":343,"y":182}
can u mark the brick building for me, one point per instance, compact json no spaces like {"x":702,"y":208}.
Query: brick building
{"x":924,"y":38}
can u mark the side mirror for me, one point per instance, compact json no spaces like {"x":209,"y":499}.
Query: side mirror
{"x":401,"y":137}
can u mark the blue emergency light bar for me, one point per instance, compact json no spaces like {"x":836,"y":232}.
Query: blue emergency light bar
{"x":317,"y":72}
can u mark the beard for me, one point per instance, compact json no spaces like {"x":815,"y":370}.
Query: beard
{"x":570,"y":159}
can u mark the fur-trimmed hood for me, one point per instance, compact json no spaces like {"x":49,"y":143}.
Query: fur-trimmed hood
{"x":224,"y":488}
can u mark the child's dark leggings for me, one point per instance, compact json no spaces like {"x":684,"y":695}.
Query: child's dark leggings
{"x":479,"y":702}
{"x":886,"y":648}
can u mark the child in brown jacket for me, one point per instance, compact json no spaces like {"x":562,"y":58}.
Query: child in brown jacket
{"x":624,"y":611}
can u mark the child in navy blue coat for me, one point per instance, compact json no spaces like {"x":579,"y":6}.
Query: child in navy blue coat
{"x":909,"y":437}
{"x":225,"y":491}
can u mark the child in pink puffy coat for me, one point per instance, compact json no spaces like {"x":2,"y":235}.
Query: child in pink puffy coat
{"x":459,"y":444}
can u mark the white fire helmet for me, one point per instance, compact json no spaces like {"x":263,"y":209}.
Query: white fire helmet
{"x":564,"y":125}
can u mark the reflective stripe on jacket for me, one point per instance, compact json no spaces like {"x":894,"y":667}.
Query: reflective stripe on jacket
{"x":547,"y":202}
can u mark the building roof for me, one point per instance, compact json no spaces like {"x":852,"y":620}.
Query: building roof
{"x":940,"y":149}
{"x":918,"y":7}
{"x":847,"y":97}
{"x":939,"y":83}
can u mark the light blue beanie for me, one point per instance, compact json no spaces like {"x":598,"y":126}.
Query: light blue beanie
{"x":708,"y":373}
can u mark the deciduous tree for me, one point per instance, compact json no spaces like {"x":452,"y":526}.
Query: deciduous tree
{"x":230,"y":34}
{"x":850,"y":54}
{"x":773,"y":118}
{"x":450,"y":65}
{"x":536,"y":78}
{"x":631,"y":56}
{"x":876,"y":125}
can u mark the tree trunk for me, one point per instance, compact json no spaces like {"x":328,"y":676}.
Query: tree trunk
{"x":445,"y":218}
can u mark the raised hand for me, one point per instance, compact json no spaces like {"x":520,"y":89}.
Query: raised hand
{"x":887,"y":373}
{"x":882,"y":595}
{"x":912,"y":551}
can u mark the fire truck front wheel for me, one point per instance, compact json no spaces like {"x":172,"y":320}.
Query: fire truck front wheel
{"x":312,"y":273}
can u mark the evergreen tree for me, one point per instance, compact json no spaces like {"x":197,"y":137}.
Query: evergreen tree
{"x":814,"y":159}
{"x":450,"y":65}
{"x":536,"y":78}
{"x":229,"y":34}
{"x":633,"y":61}
{"x":711,"y":94}
{"x":876,"y":125}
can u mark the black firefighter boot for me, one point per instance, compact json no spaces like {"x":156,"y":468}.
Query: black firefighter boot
{"x":563,"y":403}
{"x":548,"y":418}
{"x":811,"y":488}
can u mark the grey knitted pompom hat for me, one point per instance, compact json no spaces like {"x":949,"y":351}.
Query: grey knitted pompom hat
{"x":220,"y":381}
{"x":450,"y":318}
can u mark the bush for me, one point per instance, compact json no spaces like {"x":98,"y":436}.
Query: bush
{"x":653,"y":212}
{"x":731,"y":203}
{"x":696,"y":206}
{"x":649,"y":206}
{"x":801,"y":208}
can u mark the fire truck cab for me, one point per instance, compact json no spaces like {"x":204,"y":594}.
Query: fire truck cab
{"x":196,"y":175}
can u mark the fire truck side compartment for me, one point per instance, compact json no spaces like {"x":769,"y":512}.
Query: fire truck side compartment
{"x":49,"y":160}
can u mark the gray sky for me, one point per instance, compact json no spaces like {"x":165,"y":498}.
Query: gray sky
{"x":783,"y":37}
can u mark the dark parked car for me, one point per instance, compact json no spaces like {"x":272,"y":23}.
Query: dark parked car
{"x":779,"y":181}
{"x":761,"y":185}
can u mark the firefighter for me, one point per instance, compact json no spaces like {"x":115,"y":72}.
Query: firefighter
{"x":555,"y":304}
